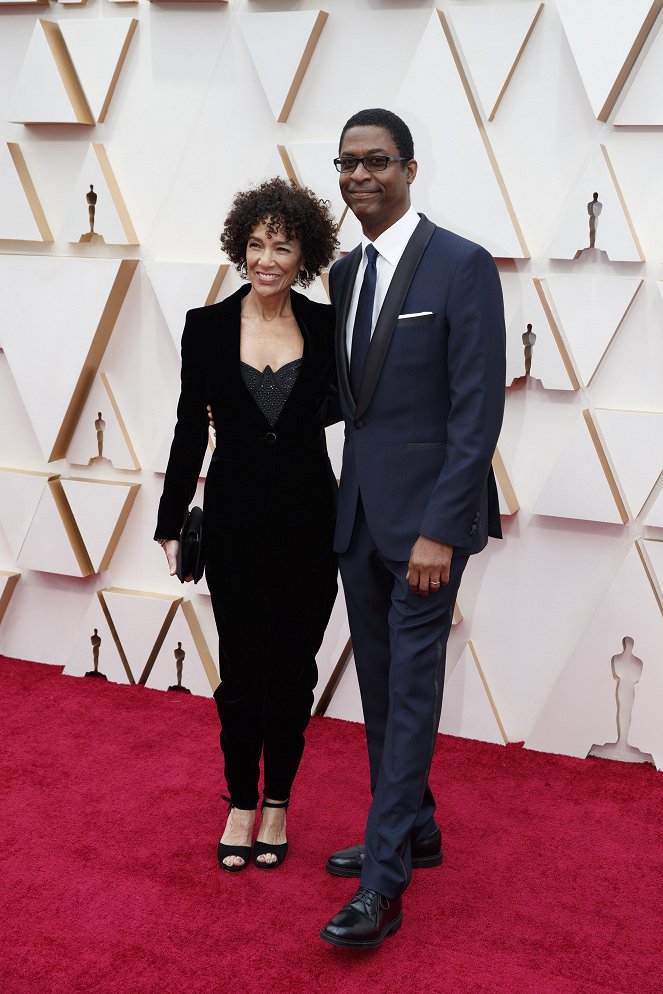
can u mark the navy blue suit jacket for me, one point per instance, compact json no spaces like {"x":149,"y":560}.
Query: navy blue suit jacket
{"x":420,"y":436}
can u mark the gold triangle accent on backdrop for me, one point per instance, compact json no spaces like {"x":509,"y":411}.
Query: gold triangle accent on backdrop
{"x":120,"y":420}
{"x":30,"y":191}
{"x":281,"y":78}
{"x":599,"y":42}
{"x":557,"y":335}
{"x":67,"y":71}
{"x":606,"y":465}
{"x":476,"y":113}
{"x":98,"y":50}
{"x":126,"y":270}
{"x":488,"y":37}
{"x":8,"y":581}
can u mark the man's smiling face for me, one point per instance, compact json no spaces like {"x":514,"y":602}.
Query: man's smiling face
{"x":377,"y":199}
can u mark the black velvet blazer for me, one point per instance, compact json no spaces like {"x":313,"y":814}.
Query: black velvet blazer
{"x":257,"y":469}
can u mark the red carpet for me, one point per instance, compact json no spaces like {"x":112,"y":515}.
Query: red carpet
{"x":552,"y":881}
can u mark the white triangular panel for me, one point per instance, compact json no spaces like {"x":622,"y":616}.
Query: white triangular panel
{"x":274,"y":166}
{"x":164,"y":674}
{"x":313,"y":166}
{"x":512,"y":292}
{"x":317,"y":291}
{"x":547,"y":363}
{"x":16,"y":217}
{"x":110,"y":217}
{"x":334,"y":641}
{"x":451,"y":150}
{"x":506,"y":495}
{"x":67,"y":297}
{"x":81,"y":658}
{"x":655,"y":516}
{"x":97,"y":49}
{"x":614,"y":232}
{"x":138,"y":619}
{"x":97,"y":506}
{"x":643,"y":102}
{"x":40,"y":95}
{"x":467,"y":708}
{"x":159,"y":462}
{"x":577,"y":486}
{"x":350,"y":232}
{"x":179,"y":286}
{"x":652,"y":553}
{"x":602,"y":35}
{"x":590,"y":310}
{"x":504,"y":503}
{"x":346,"y":702}
{"x":492,"y":38}
{"x":20,"y":494}
{"x":297,"y":32}
{"x":634,"y":442}
{"x":581,"y":709}
{"x":115,"y":449}
{"x":646,"y":731}
{"x":47,"y":547}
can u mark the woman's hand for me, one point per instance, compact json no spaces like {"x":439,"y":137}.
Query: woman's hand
{"x":171,"y":547}
{"x":210,"y":418}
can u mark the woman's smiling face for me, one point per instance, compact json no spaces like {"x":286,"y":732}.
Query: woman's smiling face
{"x":272,"y":260}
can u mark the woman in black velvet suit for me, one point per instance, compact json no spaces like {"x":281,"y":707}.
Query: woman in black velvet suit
{"x":263,"y":359}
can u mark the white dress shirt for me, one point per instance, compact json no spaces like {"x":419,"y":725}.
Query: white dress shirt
{"x":390,"y":246}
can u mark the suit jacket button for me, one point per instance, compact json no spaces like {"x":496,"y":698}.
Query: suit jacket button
{"x":359,"y":424}
{"x":270,"y":438}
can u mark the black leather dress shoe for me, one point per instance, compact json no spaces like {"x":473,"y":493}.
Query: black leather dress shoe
{"x":365,"y":921}
{"x":349,"y":862}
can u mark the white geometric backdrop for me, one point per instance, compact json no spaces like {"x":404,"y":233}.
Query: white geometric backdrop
{"x":520,"y":111}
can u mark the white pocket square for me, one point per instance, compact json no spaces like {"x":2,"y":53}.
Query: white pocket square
{"x":416,"y":318}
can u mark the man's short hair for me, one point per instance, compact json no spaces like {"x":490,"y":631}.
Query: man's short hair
{"x":377,"y":117}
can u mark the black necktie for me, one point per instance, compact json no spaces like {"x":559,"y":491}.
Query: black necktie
{"x":361,"y":333}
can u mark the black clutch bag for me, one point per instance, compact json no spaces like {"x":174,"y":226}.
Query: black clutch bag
{"x":190,"y":559}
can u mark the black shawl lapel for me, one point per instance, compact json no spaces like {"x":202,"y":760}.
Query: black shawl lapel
{"x":343,"y":369}
{"x":299,"y":388}
{"x":226,"y":338}
{"x":388,"y":316}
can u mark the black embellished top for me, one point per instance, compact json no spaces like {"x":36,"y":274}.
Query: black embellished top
{"x":269,"y":389}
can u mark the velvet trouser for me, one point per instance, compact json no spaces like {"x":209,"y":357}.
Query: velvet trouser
{"x":273,"y":587}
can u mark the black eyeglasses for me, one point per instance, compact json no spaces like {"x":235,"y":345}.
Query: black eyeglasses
{"x":372,"y":163}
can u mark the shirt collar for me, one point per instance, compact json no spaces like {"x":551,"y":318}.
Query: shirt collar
{"x":391,"y":243}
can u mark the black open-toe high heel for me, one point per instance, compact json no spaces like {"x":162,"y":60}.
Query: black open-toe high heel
{"x":280,"y":849}
{"x":223,"y":850}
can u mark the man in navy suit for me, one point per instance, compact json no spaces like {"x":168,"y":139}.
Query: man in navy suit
{"x":421,"y":366}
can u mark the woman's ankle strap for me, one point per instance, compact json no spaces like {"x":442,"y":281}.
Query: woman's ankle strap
{"x":231,"y":804}
{"x":274,"y":804}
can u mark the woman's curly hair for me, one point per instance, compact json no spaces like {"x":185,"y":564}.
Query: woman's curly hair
{"x":294,"y":211}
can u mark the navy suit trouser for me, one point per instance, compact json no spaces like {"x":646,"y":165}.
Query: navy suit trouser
{"x":399,"y":640}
